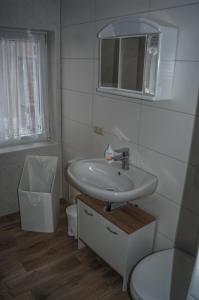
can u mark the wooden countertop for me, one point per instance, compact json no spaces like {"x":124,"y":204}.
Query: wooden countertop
{"x":128,"y":218}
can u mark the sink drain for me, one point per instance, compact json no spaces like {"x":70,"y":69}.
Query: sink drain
{"x":110,"y":189}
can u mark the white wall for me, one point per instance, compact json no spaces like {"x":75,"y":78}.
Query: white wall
{"x":160,"y":133}
{"x":42,"y":15}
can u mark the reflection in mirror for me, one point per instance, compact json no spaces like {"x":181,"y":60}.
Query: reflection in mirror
{"x":151,"y":63}
{"x":109,"y":62}
{"x":132,"y":63}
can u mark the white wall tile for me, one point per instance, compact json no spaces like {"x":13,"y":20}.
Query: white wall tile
{"x":185,"y":88}
{"x":166,"y":212}
{"x":167,"y":132}
{"x":188,"y":22}
{"x":115,"y":115}
{"x":30,"y":14}
{"x":159,"y":4}
{"x":69,"y":154}
{"x":186,"y":19}
{"x":75,"y":12}
{"x":77,"y":138}
{"x":114,"y":8}
{"x":162,"y":242}
{"x":77,"y":106}
{"x":8,"y":190}
{"x":77,"y":75}
{"x":78,"y":41}
{"x":95,"y":76}
{"x":170,"y":172}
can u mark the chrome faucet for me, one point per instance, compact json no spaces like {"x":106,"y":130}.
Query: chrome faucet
{"x":123,"y":156}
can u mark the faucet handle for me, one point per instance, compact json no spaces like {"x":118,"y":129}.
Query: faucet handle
{"x":124,"y":151}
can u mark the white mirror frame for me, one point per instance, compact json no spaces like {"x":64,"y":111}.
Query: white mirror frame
{"x":136,"y":26}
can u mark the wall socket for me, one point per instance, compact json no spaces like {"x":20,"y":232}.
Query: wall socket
{"x":98,"y":130}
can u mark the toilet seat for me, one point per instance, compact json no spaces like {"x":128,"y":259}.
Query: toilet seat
{"x":153,"y":276}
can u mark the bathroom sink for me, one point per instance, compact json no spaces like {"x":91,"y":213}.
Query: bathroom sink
{"x":108,"y":182}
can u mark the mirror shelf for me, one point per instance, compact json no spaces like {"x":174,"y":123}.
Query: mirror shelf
{"x":137,"y":59}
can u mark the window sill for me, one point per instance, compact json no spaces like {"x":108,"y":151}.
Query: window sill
{"x":24,"y":147}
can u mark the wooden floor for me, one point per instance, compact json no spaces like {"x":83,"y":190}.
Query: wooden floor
{"x":49,"y":266}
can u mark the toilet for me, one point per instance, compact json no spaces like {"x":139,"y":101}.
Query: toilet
{"x":164,"y":275}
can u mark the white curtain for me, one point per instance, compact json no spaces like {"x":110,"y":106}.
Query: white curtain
{"x":21,"y":89}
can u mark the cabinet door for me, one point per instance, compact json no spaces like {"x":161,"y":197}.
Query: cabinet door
{"x":114,"y":245}
{"x":106,"y":239}
{"x":89,"y":229}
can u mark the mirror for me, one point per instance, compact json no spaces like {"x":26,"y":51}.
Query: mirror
{"x":132,"y":63}
{"x":109,"y":62}
{"x":129,"y":63}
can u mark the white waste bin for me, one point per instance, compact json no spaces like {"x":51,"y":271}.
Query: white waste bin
{"x":39,"y":194}
{"x":71,"y":212}
{"x":72,"y":191}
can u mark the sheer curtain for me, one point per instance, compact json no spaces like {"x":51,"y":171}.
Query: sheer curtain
{"x":23,"y":115}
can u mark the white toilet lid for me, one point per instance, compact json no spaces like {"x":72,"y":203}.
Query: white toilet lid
{"x":154,"y":276}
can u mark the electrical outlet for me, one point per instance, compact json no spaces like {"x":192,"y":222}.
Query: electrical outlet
{"x":98,"y":130}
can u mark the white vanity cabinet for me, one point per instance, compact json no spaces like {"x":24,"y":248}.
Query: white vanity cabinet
{"x":121,"y":237}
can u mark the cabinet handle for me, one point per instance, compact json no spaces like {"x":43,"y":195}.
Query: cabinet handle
{"x":113,"y":232}
{"x":89,"y":214}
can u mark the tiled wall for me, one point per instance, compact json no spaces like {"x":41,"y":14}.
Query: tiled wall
{"x":38,"y":15}
{"x":159,"y":134}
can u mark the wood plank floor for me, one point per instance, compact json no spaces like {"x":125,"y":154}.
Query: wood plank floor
{"x":49,"y":266}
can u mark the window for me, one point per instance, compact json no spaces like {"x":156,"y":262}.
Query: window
{"x":23,"y":87}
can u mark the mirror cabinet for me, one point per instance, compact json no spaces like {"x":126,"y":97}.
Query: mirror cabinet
{"x":137,"y":59}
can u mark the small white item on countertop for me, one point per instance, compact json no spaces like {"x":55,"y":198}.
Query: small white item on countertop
{"x":108,"y":154}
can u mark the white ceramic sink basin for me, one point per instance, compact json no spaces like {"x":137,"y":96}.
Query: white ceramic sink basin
{"x":101,"y":180}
